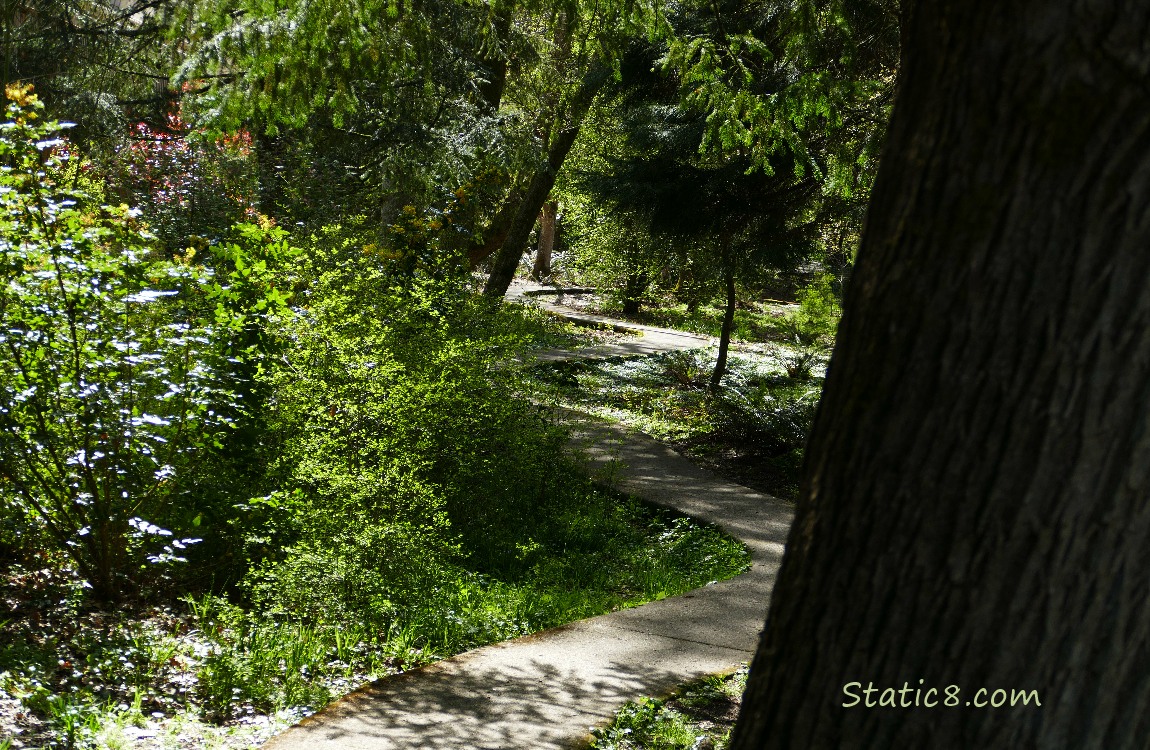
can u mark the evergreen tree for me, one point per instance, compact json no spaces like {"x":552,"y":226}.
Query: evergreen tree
{"x":744,"y":220}
{"x":96,"y":62}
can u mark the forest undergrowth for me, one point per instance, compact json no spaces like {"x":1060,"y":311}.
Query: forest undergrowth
{"x":244,"y":475}
{"x":697,"y":716}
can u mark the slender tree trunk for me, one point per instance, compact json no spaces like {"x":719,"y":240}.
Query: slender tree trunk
{"x":974,"y":511}
{"x":539,"y":188}
{"x":633,"y":291}
{"x":547,"y":226}
{"x":728,"y":324}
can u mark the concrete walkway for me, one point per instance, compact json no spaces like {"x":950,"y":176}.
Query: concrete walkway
{"x":649,"y":339}
{"x":547,"y":690}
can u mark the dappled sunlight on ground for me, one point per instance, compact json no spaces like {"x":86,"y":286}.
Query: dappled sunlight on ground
{"x":546,"y":690}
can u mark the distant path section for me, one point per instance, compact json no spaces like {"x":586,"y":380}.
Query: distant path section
{"x":649,"y":340}
{"x":547,"y":690}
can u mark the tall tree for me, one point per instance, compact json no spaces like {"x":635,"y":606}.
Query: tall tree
{"x":430,"y":96}
{"x":745,"y":215}
{"x":974,"y":512}
{"x":589,"y":38}
{"x":813,"y":77}
{"x":379,"y":102}
{"x":542,"y":180}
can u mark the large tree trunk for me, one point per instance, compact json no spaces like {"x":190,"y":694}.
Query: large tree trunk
{"x":975,"y":510}
{"x":547,"y":225}
{"x":507,"y":260}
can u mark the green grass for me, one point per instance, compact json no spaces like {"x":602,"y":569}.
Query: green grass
{"x":700,"y":714}
{"x":752,"y":322}
{"x":580,"y":552}
{"x":752,"y":429}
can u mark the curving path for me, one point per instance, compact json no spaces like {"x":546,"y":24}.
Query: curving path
{"x":548,"y":689}
{"x":650,"y":340}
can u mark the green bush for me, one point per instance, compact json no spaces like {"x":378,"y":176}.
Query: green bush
{"x":268,"y":664}
{"x":402,"y":437}
{"x":253,"y":279}
{"x":697,"y":715}
{"x":417,"y":488}
{"x":775,"y":413}
{"x":817,"y":319}
{"x":648,"y":724}
{"x":189,"y":184}
{"x":109,"y":387}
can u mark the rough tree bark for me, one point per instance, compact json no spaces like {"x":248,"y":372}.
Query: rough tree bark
{"x":547,"y":226}
{"x":975,"y":509}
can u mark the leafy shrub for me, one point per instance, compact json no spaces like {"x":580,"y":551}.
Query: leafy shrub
{"x":698,"y":715}
{"x":189,"y":185}
{"x":686,"y":368}
{"x":417,"y":488}
{"x":775,"y":413}
{"x":109,"y":387}
{"x":817,"y":318}
{"x":646,"y":724}
{"x":399,"y":436}
{"x":252,"y":283}
{"x":268,"y":663}
{"x":352,"y":564}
